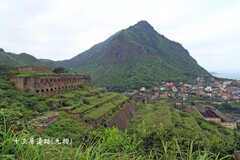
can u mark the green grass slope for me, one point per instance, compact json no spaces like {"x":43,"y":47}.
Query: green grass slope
{"x":182,"y":126}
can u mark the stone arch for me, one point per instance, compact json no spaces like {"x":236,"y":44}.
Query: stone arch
{"x":51,"y":89}
{"x":37,"y":91}
{"x":42,"y":90}
{"x":47,"y":90}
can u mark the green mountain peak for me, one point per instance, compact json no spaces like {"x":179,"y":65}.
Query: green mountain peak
{"x":134,"y":57}
{"x":144,"y":25}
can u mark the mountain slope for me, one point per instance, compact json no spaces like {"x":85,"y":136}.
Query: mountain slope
{"x":16,"y":60}
{"x":156,"y":131}
{"x":134,"y":57}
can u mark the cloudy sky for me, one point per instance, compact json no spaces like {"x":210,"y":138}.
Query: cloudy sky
{"x":61,"y":29}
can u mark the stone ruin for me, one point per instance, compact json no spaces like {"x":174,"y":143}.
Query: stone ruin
{"x":48,"y":84}
{"x":35,"y":69}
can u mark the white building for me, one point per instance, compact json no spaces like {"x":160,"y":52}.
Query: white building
{"x":208,"y":89}
{"x":143,"y":89}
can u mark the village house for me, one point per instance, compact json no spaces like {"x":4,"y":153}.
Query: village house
{"x":170,"y":85}
{"x":200,"y":92}
{"x":135,"y":92}
{"x":164,"y":95}
{"x":208,"y":89}
{"x":162,"y":88}
{"x":143,"y":89}
{"x":182,"y":89}
{"x":174,"y":89}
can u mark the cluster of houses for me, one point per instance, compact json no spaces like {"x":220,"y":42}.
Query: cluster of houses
{"x":213,"y":90}
{"x":210,"y":90}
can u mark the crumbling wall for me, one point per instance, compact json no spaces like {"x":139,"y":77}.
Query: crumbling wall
{"x":123,"y":117}
{"x":50,"y":85}
{"x":35,"y":69}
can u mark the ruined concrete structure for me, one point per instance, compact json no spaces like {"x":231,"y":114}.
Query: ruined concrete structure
{"x":35,"y":69}
{"x":123,"y":117}
{"x":210,"y":114}
{"x":144,"y":98}
{"x":50,"y":85}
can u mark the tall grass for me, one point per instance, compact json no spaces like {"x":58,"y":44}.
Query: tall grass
{"x":91,"y":149}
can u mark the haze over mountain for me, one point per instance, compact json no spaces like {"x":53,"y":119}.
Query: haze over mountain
{"x":134,"y":57}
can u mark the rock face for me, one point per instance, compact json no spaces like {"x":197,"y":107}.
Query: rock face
{"x":134,"y":57}
{"x":123,"y":117}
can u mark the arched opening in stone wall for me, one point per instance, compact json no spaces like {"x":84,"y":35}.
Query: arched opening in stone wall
{"x":42,"y":90}
{"x":47,"y":90}
{"x":37,"y":91}
{"x":51,"y":89}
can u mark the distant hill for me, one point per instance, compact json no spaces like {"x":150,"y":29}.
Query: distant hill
{"x":49,"y":62}
{"x":15,"y":60}
{"x":134,"y":57}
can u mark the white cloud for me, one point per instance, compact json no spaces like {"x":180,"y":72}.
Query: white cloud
{"x":61,"y":29}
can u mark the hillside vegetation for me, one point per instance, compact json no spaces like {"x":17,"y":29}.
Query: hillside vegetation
{"x":16,"y":60}
{"x":155,"y":131}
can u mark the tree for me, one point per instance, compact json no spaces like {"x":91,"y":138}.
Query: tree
{"x":60,"y":70}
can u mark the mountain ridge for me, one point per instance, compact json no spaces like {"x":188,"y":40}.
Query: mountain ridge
{"x":17,"y":60}
{"x":132,"y":57}
{"x":136,"y":56}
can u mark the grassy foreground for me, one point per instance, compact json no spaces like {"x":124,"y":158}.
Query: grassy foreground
{"x":108,"y":144}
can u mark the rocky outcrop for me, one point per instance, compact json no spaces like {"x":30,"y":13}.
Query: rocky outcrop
{"x":123,"y":117}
